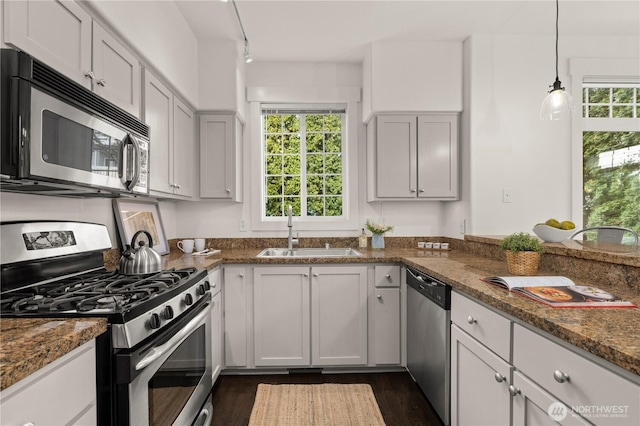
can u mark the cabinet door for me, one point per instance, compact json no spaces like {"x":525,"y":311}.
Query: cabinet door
{"x":281,"y":316}
{"x":235,"y":317}
{"x":395,"y":164}
{"x":61,"y":393}
{"x":437,"y":156}
{"x":56,"y":32}
{"x":477,"y":397}
{"x":220,"y":144}
{"x":117,"y":72}
{"x":158,"y":114}
{"x":386,"y":326}
{"x":532,"y":406}
{"x":183,"y":160}
{"x":216,"y":335}
{"x":339,"y":315}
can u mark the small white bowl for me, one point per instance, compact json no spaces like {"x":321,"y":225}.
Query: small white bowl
{"x":550,"y":234}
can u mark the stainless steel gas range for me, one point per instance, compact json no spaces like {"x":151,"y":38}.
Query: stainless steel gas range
{"x":154,"y":363}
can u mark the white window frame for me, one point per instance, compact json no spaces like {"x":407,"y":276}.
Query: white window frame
{"x":588,"y":70}
{"x":350,"y":96}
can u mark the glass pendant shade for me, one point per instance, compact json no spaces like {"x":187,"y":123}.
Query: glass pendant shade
{"x":557,"y":103}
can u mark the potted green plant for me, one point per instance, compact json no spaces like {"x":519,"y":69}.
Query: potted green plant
{"x":523,"y":253}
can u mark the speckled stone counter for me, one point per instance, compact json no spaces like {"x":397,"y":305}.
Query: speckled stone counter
{"x":611,"y":334}
{"x":27,"y":345}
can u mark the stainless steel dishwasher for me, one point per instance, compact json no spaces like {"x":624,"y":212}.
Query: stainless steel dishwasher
{"x":429,"y":338}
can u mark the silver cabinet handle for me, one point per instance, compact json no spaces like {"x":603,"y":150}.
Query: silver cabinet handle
{"x":499,"y":378}
{"x":471,"y":320}
{"x":228,"y":191}
{"x":305,"y":274}
{"x":379,"y":296}
{"x":388,"y":276}
{"x":90,"y":75}
{"x":315,"y":274}
{"x":241,"y":275}
{"x":421,"y":190}
{"x":513,"y":391}
{"x":412,"y":190}
{"x":560,"y":376}
{"x":102,"y":82}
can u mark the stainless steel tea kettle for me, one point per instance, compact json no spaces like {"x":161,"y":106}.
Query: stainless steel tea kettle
{"x":141,"y":260}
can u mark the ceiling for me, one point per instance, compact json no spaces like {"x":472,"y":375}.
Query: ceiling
{"x":339,"y":30}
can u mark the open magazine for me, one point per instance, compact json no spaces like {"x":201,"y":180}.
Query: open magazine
{"x":559,"y":292}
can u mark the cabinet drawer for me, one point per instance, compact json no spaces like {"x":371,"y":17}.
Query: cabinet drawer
{"x":387,"y":275}
{"x":600,"y":395}
{"x":489,"y":328}
{"x":56,"y":394}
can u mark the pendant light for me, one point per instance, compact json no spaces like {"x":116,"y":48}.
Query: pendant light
{"x":558,"y":102}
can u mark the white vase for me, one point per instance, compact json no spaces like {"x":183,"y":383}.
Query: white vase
{"x":377,"y":241}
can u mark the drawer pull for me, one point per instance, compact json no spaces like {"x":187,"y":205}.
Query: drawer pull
{"x":471,"y":320}
{"x":560,"y":376}
{"x":513,"y":391}
{"x":499,"y":378}
{"x":379,"y":296}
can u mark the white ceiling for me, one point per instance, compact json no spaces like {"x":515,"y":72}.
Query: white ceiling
{"x":339,"y":31}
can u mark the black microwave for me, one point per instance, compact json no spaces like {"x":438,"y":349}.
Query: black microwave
{"x":59,"y":138}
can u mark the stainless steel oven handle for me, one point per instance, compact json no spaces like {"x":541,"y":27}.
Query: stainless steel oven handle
{"x":158,"y":351}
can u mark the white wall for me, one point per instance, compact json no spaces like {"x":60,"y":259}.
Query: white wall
{"x":509,"y":147}
{"x":160,"y":36}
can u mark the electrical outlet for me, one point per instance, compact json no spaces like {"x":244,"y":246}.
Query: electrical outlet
{"x":463,"y":226}
{"x":243,"y":225}
{"x":506,"y":195}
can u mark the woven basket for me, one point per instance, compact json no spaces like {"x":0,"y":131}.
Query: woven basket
{"x":523,"y":262}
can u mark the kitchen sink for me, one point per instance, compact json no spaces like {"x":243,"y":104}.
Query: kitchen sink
{"x":309,"y":252}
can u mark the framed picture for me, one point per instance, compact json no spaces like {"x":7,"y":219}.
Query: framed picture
{"x":133,"y":215}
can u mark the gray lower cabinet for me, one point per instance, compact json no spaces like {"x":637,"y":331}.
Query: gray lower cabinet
{"x":61,"y":393}
{"x":505,"y":373}
{"x":295,"y":316}
{"x":479,"y":383}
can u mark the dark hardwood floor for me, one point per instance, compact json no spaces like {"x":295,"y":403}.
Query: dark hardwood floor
{"x":401,"y":401}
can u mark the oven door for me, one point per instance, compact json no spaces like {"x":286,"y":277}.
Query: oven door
{"x":70,"y":145}
{"x":168,"y":381}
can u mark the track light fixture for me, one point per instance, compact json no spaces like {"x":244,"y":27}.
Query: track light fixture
{"x":558,"y":102}
{"x":247,"y":55}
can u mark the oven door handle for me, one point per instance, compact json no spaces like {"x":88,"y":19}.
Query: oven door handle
{"x":160,"y":350}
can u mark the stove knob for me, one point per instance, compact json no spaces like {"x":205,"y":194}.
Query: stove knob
{"x":168,"y":312}
{"x":207,"y":286}
{"x":201,"y":290}
{"x":188,"y":299}
{"x":154,"y":321}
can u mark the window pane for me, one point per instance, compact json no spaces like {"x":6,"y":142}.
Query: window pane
{"x":273,"y":123}
{"x":274,"y":164}
{"x":315,"y":206}
{"x":292,"y":185}
{"x":611,"y":168}
{"x":314,"y":123}
{"x":291,"y":165}
{"x":314,"y":163}
{"x":623,"y":95}
{"x":332,"y":122}
{"x":315,"y":185}
{"x":332,"y":142}
{"x":274,"y":206}
{"x":291,"y":123}
{"x":274,"y":185}
{"x":333,"y":185}
{"x":273,"y":144}
{"x":622,"y":111}
{"x":314,"y":142}
{"x":291,"y":144}
{"x":333,"y":164}
{"x":334,"y":206}
{"x":294,"y":202}
{"x":598,"y":111}
{"x":598,"y":95}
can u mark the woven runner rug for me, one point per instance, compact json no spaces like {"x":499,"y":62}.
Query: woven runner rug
{"x":327,"y":404}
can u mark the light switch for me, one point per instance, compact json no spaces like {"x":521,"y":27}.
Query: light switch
{"x":506,"y":195}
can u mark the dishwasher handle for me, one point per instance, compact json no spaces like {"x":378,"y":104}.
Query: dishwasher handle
{"x":421,"y":279}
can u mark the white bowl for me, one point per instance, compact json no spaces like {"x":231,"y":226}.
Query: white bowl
{"x":550,"y":234}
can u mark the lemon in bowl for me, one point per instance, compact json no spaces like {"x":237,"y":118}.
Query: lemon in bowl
{"x":551,"y":234}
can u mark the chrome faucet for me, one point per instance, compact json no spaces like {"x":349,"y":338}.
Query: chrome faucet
{"x":292,"y":241}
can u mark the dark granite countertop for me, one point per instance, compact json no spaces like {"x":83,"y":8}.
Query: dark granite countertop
{"x":612,"y":334}
{"x":27,"y":345}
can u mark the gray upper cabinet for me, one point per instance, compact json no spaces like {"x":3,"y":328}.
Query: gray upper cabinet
{"x":413,"y":157}
{"x":172,"y":142}
{"x":221,"y":157}
{"x":63,"y":35}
